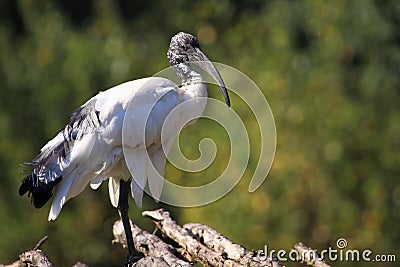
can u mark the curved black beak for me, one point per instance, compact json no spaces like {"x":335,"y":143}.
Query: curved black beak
{"x":203,"y":62}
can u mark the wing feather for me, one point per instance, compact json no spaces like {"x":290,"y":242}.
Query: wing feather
{"x":55,"y":157}
{"x":155,"y":173}
{"x":89,"y":148}
{"x":136,"y":160}
{"x":113,"y":190}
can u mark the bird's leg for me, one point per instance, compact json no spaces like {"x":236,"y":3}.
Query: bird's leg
{"x":123,"y":207}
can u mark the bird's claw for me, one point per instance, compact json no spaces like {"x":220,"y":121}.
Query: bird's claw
{"x":131,"y":259}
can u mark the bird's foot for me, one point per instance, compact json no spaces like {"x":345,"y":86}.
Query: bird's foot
{"x":132,"y":258}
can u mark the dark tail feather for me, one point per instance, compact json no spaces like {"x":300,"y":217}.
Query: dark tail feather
{"x":39,"y":191}
{"x":38,"y":200}
{"x":24,"y":187}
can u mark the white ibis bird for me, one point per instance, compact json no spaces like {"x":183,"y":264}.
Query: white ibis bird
{"x":90,"y":148}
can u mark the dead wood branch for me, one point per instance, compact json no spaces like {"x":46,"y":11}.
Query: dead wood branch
{"x":309,"y":256}
{"x":195,"y":242}
{"x":149,"y":245}
{"x":36,"y":258}
{"x":219,"y":243}
{"x":192,"y":242}
{"x":194,"y":248}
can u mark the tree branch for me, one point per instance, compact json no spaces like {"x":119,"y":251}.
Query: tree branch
{"x":310,"y":256}
{"x":150,"y":245}
{"x":206,"y":245}
{"x":40,"y":243}
{"x":36,"y":257}
{"x":195,"y":242}
{"x":192,"y":242}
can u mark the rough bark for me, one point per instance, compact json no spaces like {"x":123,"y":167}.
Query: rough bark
{"x":155,"y":250}
{"x":310,"y":256}
{"x":180,"y":246}
{"x":36,"y":258}
{"x":205,"y":245}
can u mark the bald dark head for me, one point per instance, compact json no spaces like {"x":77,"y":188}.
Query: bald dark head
{"x":181,"y":47}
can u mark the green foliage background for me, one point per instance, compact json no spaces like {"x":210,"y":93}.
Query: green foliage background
{"x":329,"y":69}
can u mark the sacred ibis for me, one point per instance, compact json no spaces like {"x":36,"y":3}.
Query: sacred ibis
{"x":91,"y":149}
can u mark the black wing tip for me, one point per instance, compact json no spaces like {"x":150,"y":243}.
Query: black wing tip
{"x":27,"y":185}
{"x":39,"y":192}
{"x":38,"y":200}
{"x":22,"y":190}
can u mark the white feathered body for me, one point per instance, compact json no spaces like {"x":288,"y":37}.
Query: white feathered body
{"x":107,"y":132}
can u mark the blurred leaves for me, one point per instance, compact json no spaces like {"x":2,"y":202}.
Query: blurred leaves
{"x":330,"y":71}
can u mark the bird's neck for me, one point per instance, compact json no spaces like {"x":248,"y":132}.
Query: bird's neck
{"x":193,"y":83}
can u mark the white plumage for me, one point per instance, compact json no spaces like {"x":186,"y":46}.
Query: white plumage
{"x":116,"y":135}
{"x":99,"y":154}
